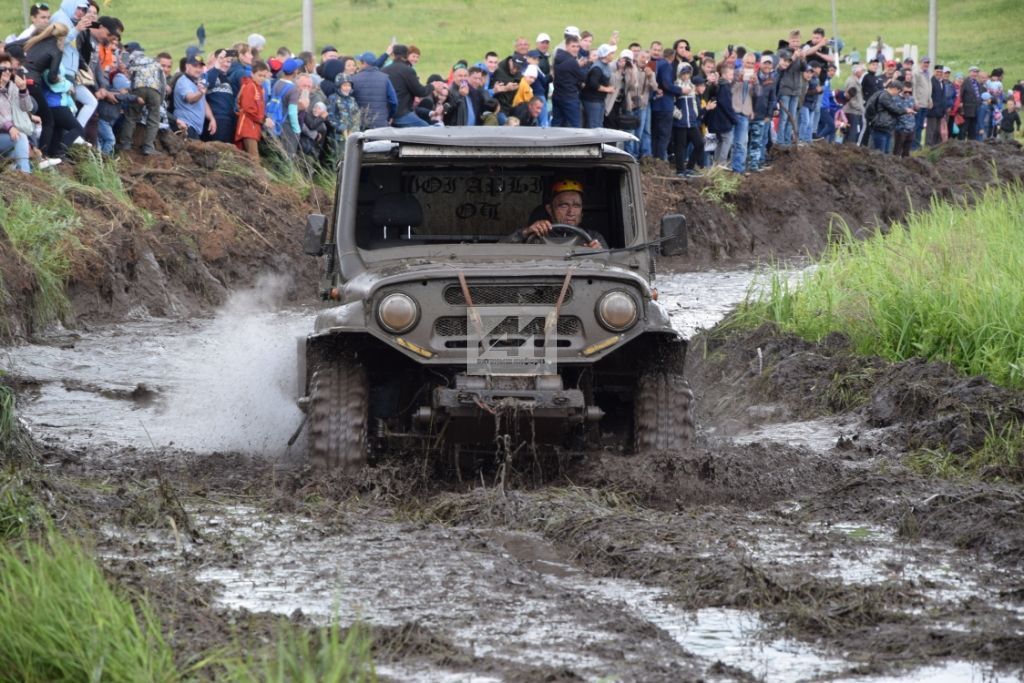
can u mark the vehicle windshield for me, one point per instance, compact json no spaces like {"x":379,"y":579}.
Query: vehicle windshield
{"x":428,"y":203}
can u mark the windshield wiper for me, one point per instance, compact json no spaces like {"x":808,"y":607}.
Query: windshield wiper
{"x":635,"y":247}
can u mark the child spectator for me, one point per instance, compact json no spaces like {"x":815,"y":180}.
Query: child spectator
{"x":313,"y":122}
{"x":111,"y":107}
{"x":904,"y":132}
{"x":1011,"y":119}
{"x":149,"y":83}
{"x":343,"y":115}
{"x":721,"y":119}
{"x":252,"y":117}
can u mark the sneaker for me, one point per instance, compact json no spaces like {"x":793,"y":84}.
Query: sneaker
{"x":80,"y":141}
{"x":151,"y":151}
{"x":48,"y":163}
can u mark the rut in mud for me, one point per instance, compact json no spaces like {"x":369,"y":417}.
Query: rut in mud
{"x":789,"y":541}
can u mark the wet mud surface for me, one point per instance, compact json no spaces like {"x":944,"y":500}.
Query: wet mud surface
{"x":790,"y":541}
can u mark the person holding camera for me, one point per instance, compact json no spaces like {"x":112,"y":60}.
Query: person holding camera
{"x":15,"y":105}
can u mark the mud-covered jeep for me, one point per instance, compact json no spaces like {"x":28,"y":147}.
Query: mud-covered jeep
{"x":441,"y":332}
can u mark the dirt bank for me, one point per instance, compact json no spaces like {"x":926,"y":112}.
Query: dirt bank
{"x":789,"y":209}
{"x":190,"y":226}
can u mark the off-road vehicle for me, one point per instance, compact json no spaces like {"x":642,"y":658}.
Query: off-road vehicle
{"x":440,"y":333}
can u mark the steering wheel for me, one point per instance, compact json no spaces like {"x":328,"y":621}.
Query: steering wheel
{"x":562,"y":234}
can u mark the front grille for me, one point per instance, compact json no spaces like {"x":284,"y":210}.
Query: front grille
{"x":506,"y":295}
{"x":457,"y":326}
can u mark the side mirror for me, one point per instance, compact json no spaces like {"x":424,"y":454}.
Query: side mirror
{"x":313,"y":242}
{"x":673,"y":234}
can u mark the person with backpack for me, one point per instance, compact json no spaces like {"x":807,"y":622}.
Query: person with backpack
{"x":283,"y":106}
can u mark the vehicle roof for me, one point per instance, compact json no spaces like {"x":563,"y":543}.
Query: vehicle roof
{"x":495,"y":136}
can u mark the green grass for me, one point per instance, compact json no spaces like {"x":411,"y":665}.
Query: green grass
{"x":61,"y":621}
{"x":329,"y":654}
{"x":721,"y":184}
{"x":94,"y":170}
{"x":944,"y":285}
{"x":1000,"y":458}
{"x":43,"y":234}
{"x":970,"y":31}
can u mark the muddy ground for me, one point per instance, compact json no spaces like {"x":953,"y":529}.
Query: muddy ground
{"x":790,"y":541}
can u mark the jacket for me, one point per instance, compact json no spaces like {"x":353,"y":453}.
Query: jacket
{"x":855,"y":104}
{"x":252,"y":111}
{"x":375,"y":95}
{"x":665,"y":75}
{"x":970,"y":97}
{"x":70,"y":59}
{"x":791,"y":82}
{"x":689,"y":108}
{"x":922,"y":90}
{"x":569,"y":76}
{"x":743,"y":97}
{"x":890,"y":109}
{"x":146,"y":72}
{"x":8,"y":101}
{"x":765,"y":99}
{"x":723,"y":117}
{"x":406,"y":84}
{"x":44,"y":57}
{"x":939,"y":106}
{"x":597,"y":76}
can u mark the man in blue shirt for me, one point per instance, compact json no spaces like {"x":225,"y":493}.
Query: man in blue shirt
{"x":190,"y":107}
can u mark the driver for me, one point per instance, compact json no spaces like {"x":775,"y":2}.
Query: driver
{"x":565,"y":206}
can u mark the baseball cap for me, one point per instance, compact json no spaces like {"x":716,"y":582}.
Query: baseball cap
{"x":328,"y":48}
{"x":891,"y":62}
{"x":946,"y":70}
{"x":195,"y":60}
{"x":571,"y":31}
{"x":543,"y":38}
{"x":698,"y":80}
{"x":367,"y":57}
{"x":926,"y":60}
{"x":275,"y":64}
{"x":536,"y":54}
{"x":566,"y":185}
{"x":532,"y":70}
{"x":132,"y":47}
{"x":256,"y":41}
{"x":685,"y":67}
{"x":604,"y":50}
{"x":767,"y":59}
{"x":519,"y":60}
{"x":292,"y":65}
{"x":626,"y":54}
{"x":974,"y":68}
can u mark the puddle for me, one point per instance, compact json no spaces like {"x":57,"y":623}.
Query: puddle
{"x":228,"y":382}
{"x":500,"y":595}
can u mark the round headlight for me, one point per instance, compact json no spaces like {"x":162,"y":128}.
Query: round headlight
{"x":398,"y":312}
{"x":617,"y":311}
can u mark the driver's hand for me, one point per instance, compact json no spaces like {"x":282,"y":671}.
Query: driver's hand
{"x":539,"y":228}
{"x":593,"y":244}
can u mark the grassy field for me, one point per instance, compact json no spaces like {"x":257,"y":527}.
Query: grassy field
{"x":943,"y":285}
{"x":970,"y":31}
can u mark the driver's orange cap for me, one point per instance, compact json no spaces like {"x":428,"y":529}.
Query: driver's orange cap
{"x":566,"y":185}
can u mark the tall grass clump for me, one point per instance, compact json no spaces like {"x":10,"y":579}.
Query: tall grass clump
{"x":943,"y":285}
{"x":329,"y":654}
{"x":61,"y":621}
{"x":94,"y":170}
{"x":44,"y":236}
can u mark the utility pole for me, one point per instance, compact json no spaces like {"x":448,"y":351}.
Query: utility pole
{"x":24,"y":10}
{"x":933,"y":29}
{"x":307,"y":26}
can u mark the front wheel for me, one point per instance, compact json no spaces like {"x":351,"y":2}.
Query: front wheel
{"x":338,"y":416}
{"x":662,"y":412}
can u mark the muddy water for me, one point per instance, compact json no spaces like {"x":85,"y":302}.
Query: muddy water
{"x":229,"y":382}
{"x":507,"y":598}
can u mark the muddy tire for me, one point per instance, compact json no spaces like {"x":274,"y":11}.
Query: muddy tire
{"x":662,"y":412}
{"x":338,"y":415}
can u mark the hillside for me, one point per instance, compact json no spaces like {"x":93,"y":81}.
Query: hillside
{"x":984,"y":32}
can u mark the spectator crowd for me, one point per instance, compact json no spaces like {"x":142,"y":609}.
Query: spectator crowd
{"x":68,"y":79}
